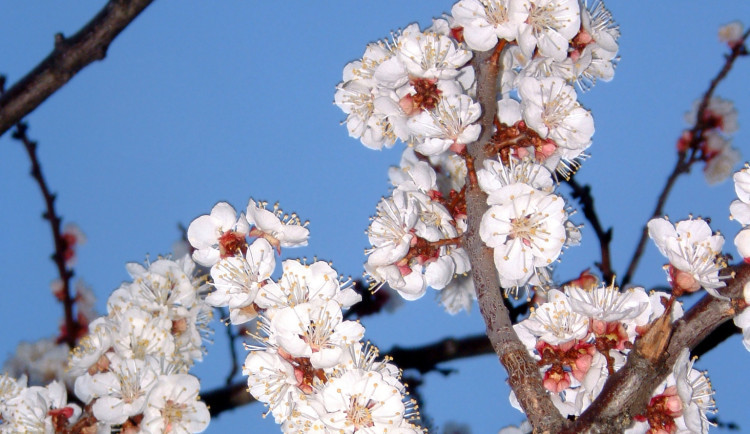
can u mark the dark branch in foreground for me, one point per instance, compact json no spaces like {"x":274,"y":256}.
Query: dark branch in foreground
{"x":687,"y":157}
{"x":583,"y":194}
{"x":716,"y":337}
{"x":69,"y":56}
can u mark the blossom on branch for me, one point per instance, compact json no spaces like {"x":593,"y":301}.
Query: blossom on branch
{"x":693,"y":252}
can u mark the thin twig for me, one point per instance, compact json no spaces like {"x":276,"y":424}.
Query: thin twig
{"x":69,"y":56}
{"x":583,"y":194}
{"x":685,"y":159}
{"x":71,"y":325}
{"x":232,"y":336}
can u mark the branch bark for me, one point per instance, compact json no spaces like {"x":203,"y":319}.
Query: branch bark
{"x":69,"y":56}
{"x":627,"y":392}
{"x":523,"y":373}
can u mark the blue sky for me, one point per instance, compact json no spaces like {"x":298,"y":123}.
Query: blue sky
{"x":199,"y":102}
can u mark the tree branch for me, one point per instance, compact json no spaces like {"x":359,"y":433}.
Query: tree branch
{"x":69,"y":56}
{"x":685,"y":158}
{"x":427,"y":357}
{"x":627,"y":392}
{"x":72,"y":327}
{"x":583,"y":194}
{"x":232,"y":337}
{"x":523,"y":373}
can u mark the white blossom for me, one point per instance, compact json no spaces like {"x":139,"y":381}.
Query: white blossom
{"x":554,"y":322}
{"x":550,"y":107}
{"x":691,"y":248}
{"x":279,"y":229}
{"x":484,"y":22}
{"x":216,"y":235}
{"x":173,"y":406}
{"x":526,"y":229}
{"x":549,"y":27}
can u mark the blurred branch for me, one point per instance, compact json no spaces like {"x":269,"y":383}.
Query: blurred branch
{"x":68,"y":57}
{"x":232,"y":336}
{"x":583,"y":194}
{"x":226,"y":398}
{"x":72,"y":326}
{"x":427,"y":357}
{"x":372,"y":302}
{"x":686,"y":158}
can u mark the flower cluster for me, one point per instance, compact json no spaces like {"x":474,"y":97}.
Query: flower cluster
{"x":740,"y":211}
{"x":131,"y":369}
{"x":415,"y":235}
{"x":526,"y":225}
{"x":582,"y":336}
{"x":419,"y":87}
{"x":35,"y":408}
{"x":679,"y":403}
{"x":134,"y":361}
{"x":571,"y":39}
{"x":718,"y":121}
{"x":308,"y":365}
{"x":414,"y":88}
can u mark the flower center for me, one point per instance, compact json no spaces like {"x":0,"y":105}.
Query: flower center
{"x":172,"y":412}
{"x":496,"y":13}
{"x":232,"y":242}
{"x":524,"y":228}
{"x":359,"y":415}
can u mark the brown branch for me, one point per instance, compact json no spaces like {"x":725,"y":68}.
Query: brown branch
{"x":69,"y":56}
{"x":523,"y":373}
{"x":716,"y":337}
{"x":627,"y":393}
{"x":72,"y":327}
{"x":685,"y":161}
{"x":583,"y":194}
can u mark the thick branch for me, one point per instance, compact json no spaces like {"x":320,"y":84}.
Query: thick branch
{"x":628,"y":391}
{"x":69,"y":56}
{"x":687,"y":157}
{"x":523,"y":373}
